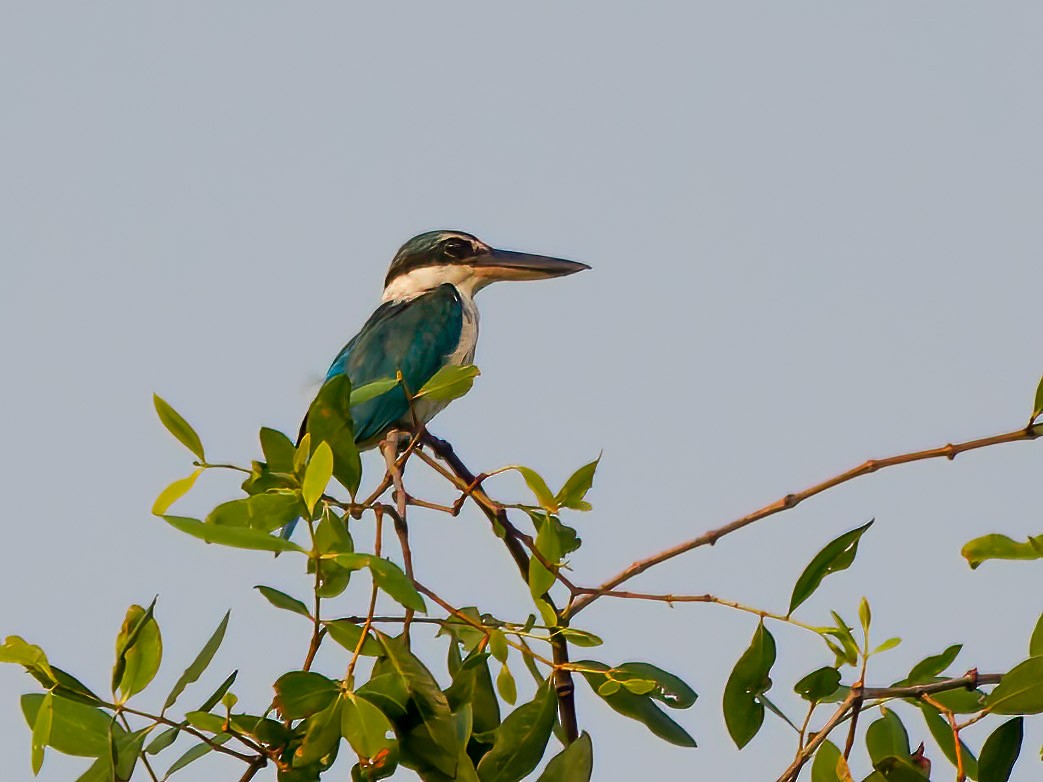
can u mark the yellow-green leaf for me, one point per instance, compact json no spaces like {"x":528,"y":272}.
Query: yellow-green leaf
{"x":317,"y":475}
{"x":174,"y":492}
{"x":179,"y":427}
{"x":42,"y":731}
{"x":448,"y":383}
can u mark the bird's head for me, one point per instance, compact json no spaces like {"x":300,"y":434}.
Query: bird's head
{"x":437,"y":257}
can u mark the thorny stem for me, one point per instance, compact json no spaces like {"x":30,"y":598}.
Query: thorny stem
{"x":790,"y":501}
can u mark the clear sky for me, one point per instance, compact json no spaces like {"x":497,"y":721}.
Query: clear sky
{"x":816,"y":238}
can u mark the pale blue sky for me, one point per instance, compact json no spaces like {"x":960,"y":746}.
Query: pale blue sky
{"x":815,"y":233}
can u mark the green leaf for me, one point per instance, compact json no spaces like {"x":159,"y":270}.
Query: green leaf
{"x":521,"y":739}
{"x":76,"y":729}
{"x":432,"y":742}
{"x":163,"y":740}
{"x":1037,"y":403}
{"x":575,"y":763}
{"x":826,"y":764}
{"x":638,"y":707}
{"x":834,"y":557}
{"x":222,"y":688}
{"x":366,"y":728}
{"x":347,"y":634}
{"x":390,"y":578}
{"x":317,"y":475}
{"x":199,"y":664}
{"x":887,"y":736}
{"x":264,"y":512}
{"x":278,"y":450}
{"x":743,"y":711}
{"x":179,"y":427}
{"x":929,"y":667}
{"x":174,"y":492}
{"x":580,"y":637}
{"x":329,"y":420}
{"x":668,"y":689}
{"x":818,"y":684}
{"x":1036,"y":641}
{"x":544,"y":497}
{"x":941,"y":730}
{"x":300,"y":694}
{"x":236,"y":537}
{"x":576,"y":488}
{"x":388,"y":691}
{"x":195,"y":753}
{"x":506,"y":685}
{"x":42,"y":731}
{"x":321,"y":734}
{"x":498,"y":644}
{"x":448,"y":383}
{"x":1020,"y":691}
{"x":899,"y":769}
{"x":1001,"y":547}
{"x":283,"y":601}
{"x":139,"y":649}
{"x":16,"y":650}
{"x":372,"y":390}
{"x":1001,"y":750}
{"x":886,"y":646}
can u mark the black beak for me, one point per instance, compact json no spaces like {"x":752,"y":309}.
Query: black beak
{"x":509,"y":265}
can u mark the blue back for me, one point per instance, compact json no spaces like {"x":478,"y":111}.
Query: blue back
{"x":414,"y":337}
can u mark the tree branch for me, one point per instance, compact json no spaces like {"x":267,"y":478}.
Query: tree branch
{"x":790,"y":501}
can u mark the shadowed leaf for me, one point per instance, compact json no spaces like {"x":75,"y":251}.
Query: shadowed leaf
{"x":283,"y":601}
{"x":199,"y":664}
{"x":1001,"y":750}
{"x":521,"y":739}
{"x":236,"y":537}
{"x":743,"y":712}
{"x":575,"y":763}
{"x":834,"y":557}
{"x":941,"y":730}
{"x":818,"y":684}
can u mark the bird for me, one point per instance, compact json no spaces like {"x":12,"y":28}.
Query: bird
{"x":427,"y":319}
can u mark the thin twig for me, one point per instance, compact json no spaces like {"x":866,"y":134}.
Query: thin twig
{"x":318,"y":630}
{"x":961,"y":774}
{"x":790,"y":501}
{"x":790,"y":774}
{"x":402,"y":530}
{"x":378,"y":512}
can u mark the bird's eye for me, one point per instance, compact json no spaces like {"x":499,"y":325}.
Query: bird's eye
{"x":456,"y":248}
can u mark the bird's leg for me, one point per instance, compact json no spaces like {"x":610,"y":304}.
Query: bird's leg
{"x":389,"y":447}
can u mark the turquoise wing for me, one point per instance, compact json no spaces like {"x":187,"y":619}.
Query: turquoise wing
{"x":412,"y":337}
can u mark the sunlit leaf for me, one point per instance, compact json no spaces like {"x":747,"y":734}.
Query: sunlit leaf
{"x":283,"y":601}
{"x":322,"y":734}
{"x":1036,"y":641}
{"x":834,"y":557}
{"x":576,"y":487}
{"x":997,"y":546}
{"x":76,"y":729}
{"x":174,"y":492}
{"x":1037,"y":403}
{"x":317,"y":475}
{"x":1001,"y":750}
{"x":575,"y":763}
{"x":743,"y":711}
{"x":41,"y":731}
{"x":366,"y":728}
{"x":448,"y":383}
{"x":886,"y":646}
{"x":1020,"y":691}
{"x":899,"y":769}
{"x":179,"y":427}
{"x":139,"y":649}
{"x":580,"y":637}
{"x":506,"y":686}
{"x":199,"y":664}
{"x":264,"y":512}
{"x":16,"y":650}
{"x":372,"y":390}
{"x":236,"y":537}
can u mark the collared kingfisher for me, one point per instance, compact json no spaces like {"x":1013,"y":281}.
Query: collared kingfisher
{"x":427,"y":319}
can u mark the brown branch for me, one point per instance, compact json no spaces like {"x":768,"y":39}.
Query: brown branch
{"x":402,"y":530}
{"x":790,"y":501}
{"x":564,"y":686}
{"x":378,"y":512}
{"x":258,"y":763}
{"x":970,"y":680}
{"x":961,"y":774}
